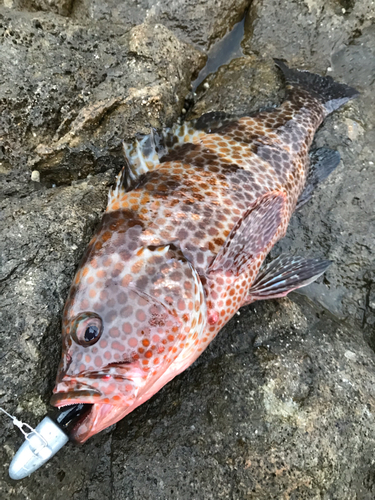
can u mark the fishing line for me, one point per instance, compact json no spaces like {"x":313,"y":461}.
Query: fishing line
{"x":39,"y":446}
{"x":21,"y":425}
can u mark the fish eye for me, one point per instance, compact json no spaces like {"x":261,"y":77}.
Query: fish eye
{"x":87,"y":329}
{"x":91,"y":333}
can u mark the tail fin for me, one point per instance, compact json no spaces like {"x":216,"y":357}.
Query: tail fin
{"x":331,"y":93}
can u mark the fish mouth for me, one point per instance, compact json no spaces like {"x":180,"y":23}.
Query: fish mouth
{"x":94,"y":417}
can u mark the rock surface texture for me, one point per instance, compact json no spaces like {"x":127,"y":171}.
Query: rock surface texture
{"x":282,"y":403}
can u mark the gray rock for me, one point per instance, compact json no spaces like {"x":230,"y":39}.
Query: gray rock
{"x":71,"y":94}
{"x":278,"y":408}
{"x":307,"y":32}
{"x":199,"y":22}
{"x":62,"y":7}
{"x":282,"y":403}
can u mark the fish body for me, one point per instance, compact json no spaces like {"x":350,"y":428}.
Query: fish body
{"x":180,"y":248}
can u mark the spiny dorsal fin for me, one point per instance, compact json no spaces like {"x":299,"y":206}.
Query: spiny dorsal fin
{"x":141,"y":154}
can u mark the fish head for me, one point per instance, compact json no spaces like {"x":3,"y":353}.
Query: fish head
{"x":125,"y":323}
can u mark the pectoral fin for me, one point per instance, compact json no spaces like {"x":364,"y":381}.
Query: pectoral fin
{"x":285,"y":274}
{"x":251,"y":235}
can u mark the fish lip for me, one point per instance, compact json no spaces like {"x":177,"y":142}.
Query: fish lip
{"x":61,"y":399}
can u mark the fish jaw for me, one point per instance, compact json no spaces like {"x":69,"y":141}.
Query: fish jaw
{"x":104,"y":411}
{"x":100,"y":416}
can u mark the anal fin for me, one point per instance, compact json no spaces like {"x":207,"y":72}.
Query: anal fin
{"x":284,"y":274}
{"x":323,"y":161}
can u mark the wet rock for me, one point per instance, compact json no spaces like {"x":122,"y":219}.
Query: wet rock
{"x":71,"y":94}
{"x":275,"y":409}
{"x":305,"y":32}
{"x":281,"y":405}
{"x":197,"y":22}
{"x":43,"y":234}
{"x":62,"y":7}
{"x":244,"y":85}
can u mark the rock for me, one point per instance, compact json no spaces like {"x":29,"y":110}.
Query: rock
{"x":246,"y":84}
{"x":200,"y":23}
{"x":62,"y":7}
{"x":281,"y":404}
{"x":71,"y":94}
{"x":305,"y":32}
{"x":273,"y":410}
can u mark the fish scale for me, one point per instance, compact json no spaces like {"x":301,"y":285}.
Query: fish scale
{"x":180,"y":246}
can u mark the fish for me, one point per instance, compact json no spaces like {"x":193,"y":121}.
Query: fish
{"x":182,"y":244}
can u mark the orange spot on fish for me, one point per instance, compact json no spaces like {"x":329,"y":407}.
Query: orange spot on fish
{"x":84,"y":304}
{"x":117,"y":346}
{"x":106,"y":236}
{"x":114,"y":332}
{"x":141,"y":316}
{"x":133,"y":342}
{"x":126,"y":280}
{"x":127,"y":328}
{"x":137,"y":266}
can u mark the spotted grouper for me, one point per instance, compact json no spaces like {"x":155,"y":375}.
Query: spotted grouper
{"x":181,"y":247}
